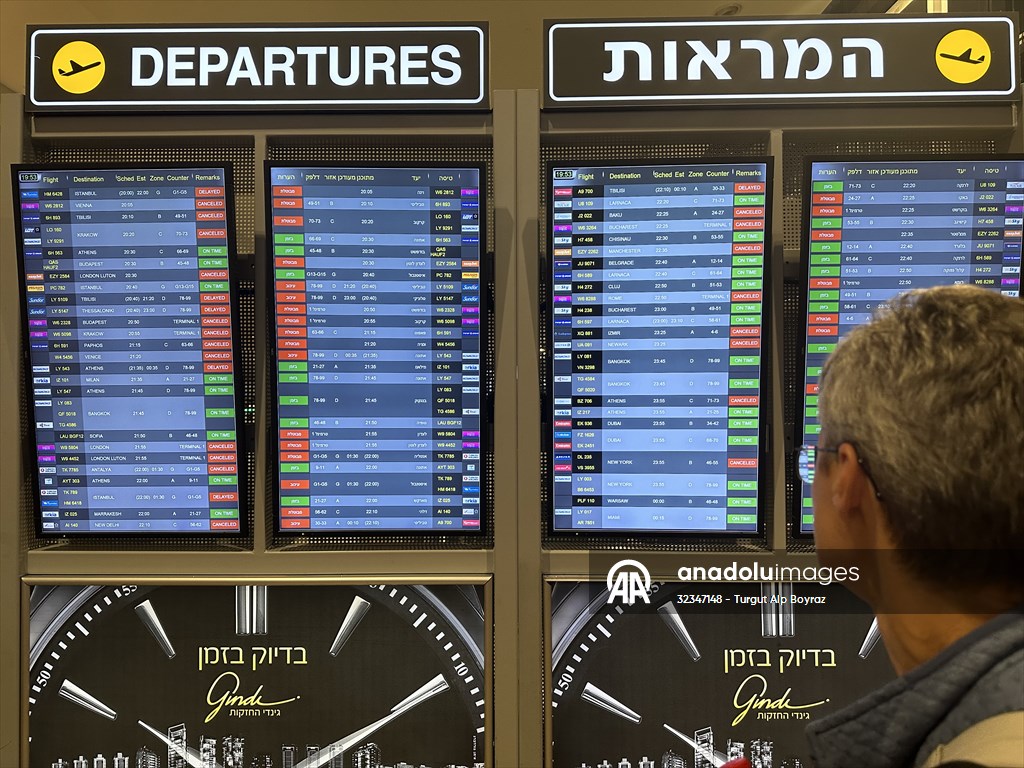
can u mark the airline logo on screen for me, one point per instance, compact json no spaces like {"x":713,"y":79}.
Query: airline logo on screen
{"x":670,"y":62}
{"x":203,"y":68}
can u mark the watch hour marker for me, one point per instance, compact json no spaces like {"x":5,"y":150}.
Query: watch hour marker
{"x":675,"y":623}
{"x":76,"y":695}
{"x":872,"y":637}
{"x":251,"y":610}
{"x":356,"y":612}
{"x":594,"y":695}
{"x":777,"y":609}
{"x":148,"y":617}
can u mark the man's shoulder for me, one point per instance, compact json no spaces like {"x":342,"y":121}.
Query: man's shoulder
{"x":989,"y":714}
{"x":996,"y":742}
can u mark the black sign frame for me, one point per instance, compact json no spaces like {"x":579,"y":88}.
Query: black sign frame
{"x":275,"y":67}
{"x":834,"y":61}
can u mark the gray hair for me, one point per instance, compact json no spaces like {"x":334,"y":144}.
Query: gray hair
{"x":931,"y":393}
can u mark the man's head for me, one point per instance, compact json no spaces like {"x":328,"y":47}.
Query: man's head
{"x":922,"y":414}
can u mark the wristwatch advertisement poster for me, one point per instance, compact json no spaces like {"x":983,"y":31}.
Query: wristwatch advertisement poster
{"x":273,"y":675}
{"x":704,"y":672}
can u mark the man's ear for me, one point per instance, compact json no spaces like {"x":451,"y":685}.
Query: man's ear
{"x":854,"y":500}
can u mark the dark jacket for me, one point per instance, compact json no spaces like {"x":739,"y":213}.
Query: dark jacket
{"x":902,"y":723}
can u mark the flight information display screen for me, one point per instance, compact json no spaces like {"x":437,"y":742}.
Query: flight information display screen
{"x":380,"y":288}
{"x":656,"y":317}
{"x":131,"y":338}
{"x":876,"y":228}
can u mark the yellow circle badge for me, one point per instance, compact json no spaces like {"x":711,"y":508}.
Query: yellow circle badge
{"x":78,"y":67}
{"x":963,"y":56}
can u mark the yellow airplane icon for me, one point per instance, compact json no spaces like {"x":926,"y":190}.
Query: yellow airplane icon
{"x":964,"y":57}
{"x":77,"y":68}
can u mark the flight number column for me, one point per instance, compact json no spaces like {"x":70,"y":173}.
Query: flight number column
{"x":446,"y":342}
{"x":582,"y":368}
{"x":996,"y":231}
{"x":53,"y":323}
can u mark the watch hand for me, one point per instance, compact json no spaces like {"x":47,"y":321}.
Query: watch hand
{"x":152,"y":621}
{"x":872,"y":637}
{"x":716,"y":758}
{"x":355,"y":614}
{"x":594,"y":695}
{"x":84,"y":699}
{"x":338,"y":748}
{"x":190,"y":756}
{"x":675,"y":623}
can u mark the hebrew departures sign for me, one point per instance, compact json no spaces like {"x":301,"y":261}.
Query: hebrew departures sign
{"x":665,"y":62}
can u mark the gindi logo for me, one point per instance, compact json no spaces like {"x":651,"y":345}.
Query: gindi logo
{"x":963,"y":56}
{"x":78,"y":67}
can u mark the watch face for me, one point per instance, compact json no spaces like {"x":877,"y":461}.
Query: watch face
{"x":704,"y":672}
{"x":242,"y":676}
